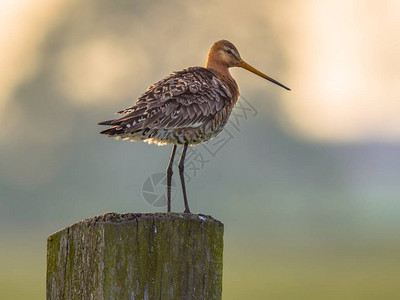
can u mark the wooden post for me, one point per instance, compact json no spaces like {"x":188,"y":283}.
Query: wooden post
{"x":137,"y":256}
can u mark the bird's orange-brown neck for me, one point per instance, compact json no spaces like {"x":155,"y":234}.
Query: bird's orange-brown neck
{"x":218,"y":67}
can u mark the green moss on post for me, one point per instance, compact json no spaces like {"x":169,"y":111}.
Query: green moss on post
{"x":137,"y":256}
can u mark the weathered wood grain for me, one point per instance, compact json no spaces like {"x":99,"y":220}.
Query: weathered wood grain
{"x":137,"y":256}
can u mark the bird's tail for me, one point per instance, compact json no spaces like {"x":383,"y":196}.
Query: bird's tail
{"x":109,"y":131}
{"x":115,"y":129}
{"x":109,"y":122}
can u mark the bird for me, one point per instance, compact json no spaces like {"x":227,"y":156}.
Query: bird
{"x":186,"y":108}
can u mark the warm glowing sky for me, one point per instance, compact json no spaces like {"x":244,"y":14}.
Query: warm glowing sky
{"x":344,"y":62}
{"x":341,"y":59}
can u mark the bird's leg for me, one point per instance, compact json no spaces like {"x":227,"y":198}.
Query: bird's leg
{"x":182,"y":175}
{"x":169,"y":178}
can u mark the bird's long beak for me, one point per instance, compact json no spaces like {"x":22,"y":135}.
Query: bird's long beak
{"x":246,"y":66}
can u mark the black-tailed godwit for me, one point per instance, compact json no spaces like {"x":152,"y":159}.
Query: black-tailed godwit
{"x":186,"y":108}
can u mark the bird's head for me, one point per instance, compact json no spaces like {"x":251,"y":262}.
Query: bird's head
{"x":223,"y":54}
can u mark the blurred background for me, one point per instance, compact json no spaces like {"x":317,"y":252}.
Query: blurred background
{"x":309,"y":185}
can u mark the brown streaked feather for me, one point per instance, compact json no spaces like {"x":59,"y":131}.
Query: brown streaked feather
{"x":188,"y":100}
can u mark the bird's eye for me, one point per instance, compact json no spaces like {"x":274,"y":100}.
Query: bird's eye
{"x":229,"y":51}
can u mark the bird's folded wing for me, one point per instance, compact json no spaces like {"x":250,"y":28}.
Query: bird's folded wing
{"x":184,"y":99}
